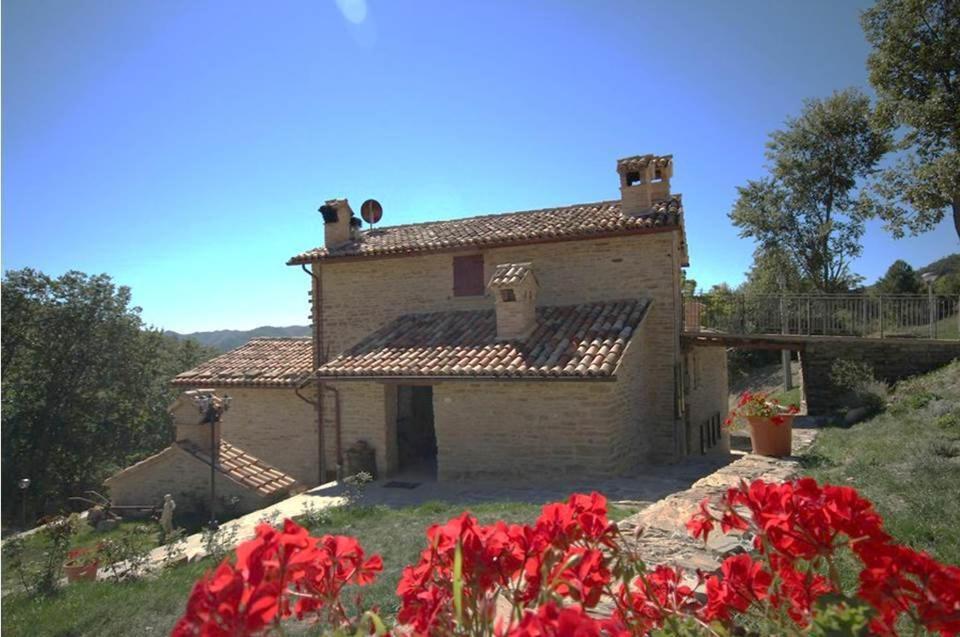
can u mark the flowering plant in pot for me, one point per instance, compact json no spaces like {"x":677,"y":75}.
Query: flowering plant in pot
{"x":771,"y":423}
{"x":82,"y":564}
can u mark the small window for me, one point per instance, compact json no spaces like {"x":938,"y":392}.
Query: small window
{"x":468,"y":275}
{"x":507,"y":295}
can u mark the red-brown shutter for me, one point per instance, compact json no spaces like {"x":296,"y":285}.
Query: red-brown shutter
{"x":468,"y":275}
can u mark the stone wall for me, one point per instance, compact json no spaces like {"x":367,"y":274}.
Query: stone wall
{"x":531,"y":429}
{"x":183,"y":476}
{"x":891,"y":360}
{"x":362,"y":295}
{"x":707,"y":395}
{"x":276,"y":427}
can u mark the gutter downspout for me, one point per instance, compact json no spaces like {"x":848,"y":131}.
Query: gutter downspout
{"x":336,"y":399}
{"x":316,"y":300}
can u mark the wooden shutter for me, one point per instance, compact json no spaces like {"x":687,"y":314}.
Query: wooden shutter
{"x":468,"y":275}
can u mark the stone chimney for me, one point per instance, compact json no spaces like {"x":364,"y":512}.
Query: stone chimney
{"x":191,"y":417}
{"x":514,"y":289}
{"x":644,"y":180}
{"x":339,"y":224}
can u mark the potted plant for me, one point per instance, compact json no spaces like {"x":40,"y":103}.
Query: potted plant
{"x":82,"y":564}
{"x":771,"y":424}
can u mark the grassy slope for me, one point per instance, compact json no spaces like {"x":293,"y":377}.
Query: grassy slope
{"x":152,"y":606}
{"x":907,"y":461}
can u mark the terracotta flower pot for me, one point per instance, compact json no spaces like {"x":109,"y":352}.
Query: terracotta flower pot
{"x":769,"y":438}
{"x":77,"y":572}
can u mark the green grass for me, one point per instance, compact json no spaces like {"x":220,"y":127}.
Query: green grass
{"x":906,"y":461}
{"x":144,"y":534}
{"x":152,"y":606}
{"x":786,"y":398}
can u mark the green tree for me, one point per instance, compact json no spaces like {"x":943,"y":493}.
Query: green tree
{"x":773,"y":272}
{"x":806,"y":209}
{"x":85,"y":387}
{"x":915,"y":70}
{"x":899,"y":279}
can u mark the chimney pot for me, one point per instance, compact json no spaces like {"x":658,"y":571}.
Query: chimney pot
{"x":644,"y":180}
{"x":338,"y":223}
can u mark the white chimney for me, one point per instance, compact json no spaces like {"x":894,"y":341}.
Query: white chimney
{"x":514,"y":289}
{"x":644,"y":180}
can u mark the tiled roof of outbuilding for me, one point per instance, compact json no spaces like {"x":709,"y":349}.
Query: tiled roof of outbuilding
{"x":574,"y":341}
{"x":261,"y":362}
{"x":235,"y":463}
{"x":248,"y":470}
{"x":579,"y":221}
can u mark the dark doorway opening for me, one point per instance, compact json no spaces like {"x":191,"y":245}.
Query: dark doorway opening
{"x":416,"y":438}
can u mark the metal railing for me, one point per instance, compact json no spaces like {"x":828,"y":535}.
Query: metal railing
{"x":864,"y":315}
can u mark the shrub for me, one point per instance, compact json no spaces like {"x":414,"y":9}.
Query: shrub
{"x":861,"y":387}
{"x":551,"y":578}
{"x":42,"y":577}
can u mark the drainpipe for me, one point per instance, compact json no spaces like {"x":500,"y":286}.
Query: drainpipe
{"x":317,"y":307}
{"x":336,"y":402}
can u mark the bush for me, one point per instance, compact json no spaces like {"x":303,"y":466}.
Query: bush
{"x":861,"y":388}
{"x":42,"y":577}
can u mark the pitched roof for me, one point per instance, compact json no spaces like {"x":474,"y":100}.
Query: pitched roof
{"x":573,"y":341}
{"x":246,"y":469}
{"x":507,"y":274}
{"x":579,"y":221}
{"x":235,"y":463}
{"x":261,"y":362}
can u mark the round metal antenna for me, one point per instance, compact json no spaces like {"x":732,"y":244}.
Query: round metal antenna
{"x":371,"y":211}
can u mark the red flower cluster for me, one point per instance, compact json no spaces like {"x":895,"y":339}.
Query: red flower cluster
{"x":799,"y":527}
{"x":550,"y":579}
{"x":467,"y":567}
{"x":277,"y":574}
{"x":760,"y":405}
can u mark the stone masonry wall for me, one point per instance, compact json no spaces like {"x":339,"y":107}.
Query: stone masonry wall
{"x":277,"y":427}
{"x":891,"y":360}
{"x":707,"y":395}
{"x":361,"y":296}
{"x":186,"y":478}
{"x":529,"y":429}
{"x":363,"y":416}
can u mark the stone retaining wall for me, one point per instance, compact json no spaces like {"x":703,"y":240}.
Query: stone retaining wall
{"x":891,"y":359}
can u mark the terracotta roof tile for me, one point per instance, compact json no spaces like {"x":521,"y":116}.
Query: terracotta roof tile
{"x":549,"y":224}
{"x":261,"y":362}
{"x":507,"y":274}
{"x":246,"y":469}
{"x":639,"y":162}
{"x":574,"y":341}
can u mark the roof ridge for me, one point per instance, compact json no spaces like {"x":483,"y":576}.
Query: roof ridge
{"x":558,"y":223}
{"x":503,"y":213}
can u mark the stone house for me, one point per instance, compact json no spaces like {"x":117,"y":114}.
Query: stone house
{"x":519,"y":344}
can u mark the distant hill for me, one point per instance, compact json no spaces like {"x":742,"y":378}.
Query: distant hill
{"x":225,"y":340}
{"x":949,"y":264}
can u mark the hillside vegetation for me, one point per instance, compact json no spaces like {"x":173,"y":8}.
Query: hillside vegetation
{"x":225,"y":340}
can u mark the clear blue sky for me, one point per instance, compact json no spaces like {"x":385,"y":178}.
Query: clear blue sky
{"x":184,"y":147}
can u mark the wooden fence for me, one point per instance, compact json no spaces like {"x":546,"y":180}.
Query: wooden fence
{"x":864,"y":315}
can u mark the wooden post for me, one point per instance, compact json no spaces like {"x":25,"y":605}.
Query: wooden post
{"x":809,"y":326}
{"x":881,"y":315}
{"x":863,"y":329}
